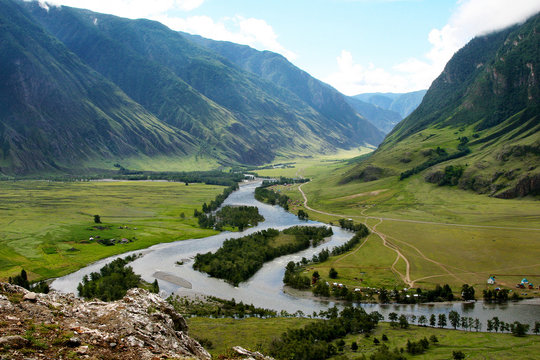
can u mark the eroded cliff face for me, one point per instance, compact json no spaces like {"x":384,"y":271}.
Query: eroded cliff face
{"x":56,"y":326}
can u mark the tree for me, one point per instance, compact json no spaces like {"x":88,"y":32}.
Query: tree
{"x":354,"y":346}
{"x":384,"y":337}
{"x":467,"y":292}
{"x":97,"y":219}
{"x":519,"y":329}
{"x":496,"y":323}
{"x":302,"y":215}
{"x":403,"y":323}
{"x":315,"y":277}
{"x":383,"y":296}
{"x":393,"y":318}
{"x":333,"y":274}
{"x":422,"y":320}
{"x":442,"y":320}
{"x":536,"y":329}
{"x":454,"y":318}
{"x":477,"y":325}
{"x":432,"y":320}
{"x":433,"y":339}
{"x":458,"y":355}
{"x":155,"y":287}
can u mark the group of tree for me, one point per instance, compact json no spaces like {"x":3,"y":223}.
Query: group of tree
{"x":239,"y":259}
{"x":439,"y":320}
{"x":500,"y":295}
{"x":113,"y":281}
{"x":218,"y":308}
{"x":22,"y":280}
{"x":516,"y":328}
{"x":220,"y":198}
{"x":302,"y":215}
{"x":314,"y":341}
{"x":441,"y":155}
{"x":271,"y":197}
{"x":235,"y":216}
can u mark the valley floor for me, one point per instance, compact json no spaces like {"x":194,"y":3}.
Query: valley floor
{"x":423,"y":234}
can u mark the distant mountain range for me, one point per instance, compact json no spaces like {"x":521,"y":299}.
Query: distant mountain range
{"x":278,"y":70}
{"x":478,"y":126}
{"x":402,"y":103}
{"x":86,"y":90}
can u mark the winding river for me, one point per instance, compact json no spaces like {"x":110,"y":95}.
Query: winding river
{"x":265,"y":289}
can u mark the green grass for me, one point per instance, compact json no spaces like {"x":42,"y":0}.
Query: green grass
{"x":251,"y":333}
{"x":41,"y":223}
{"x":474,"y":345}
{"x":256,"y":334}
{"x":438,"y":251}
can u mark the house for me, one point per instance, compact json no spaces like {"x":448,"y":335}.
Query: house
{"x":491,"y":280}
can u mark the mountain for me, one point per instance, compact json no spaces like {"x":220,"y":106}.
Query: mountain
{"x":57,"y":112}
{"x":233,"y":115}
{"x":383,"y":119}
{"x":279,"y":71}
{"x":478,"y":126}
{"x":402,"y":103}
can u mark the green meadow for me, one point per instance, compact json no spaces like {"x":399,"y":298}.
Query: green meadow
{"x":45,"y":227}
{"x":446,"y":235}
{"x":257,"y":334}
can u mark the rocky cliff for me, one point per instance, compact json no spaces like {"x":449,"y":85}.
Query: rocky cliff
{"x":55,"y":326}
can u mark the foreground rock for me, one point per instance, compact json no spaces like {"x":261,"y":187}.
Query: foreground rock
{"x":55,"y":326}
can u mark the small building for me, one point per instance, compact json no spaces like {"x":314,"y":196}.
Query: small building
{"x":491,"y":280}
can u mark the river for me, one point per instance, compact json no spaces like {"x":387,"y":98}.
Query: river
{"x":265,"y":288}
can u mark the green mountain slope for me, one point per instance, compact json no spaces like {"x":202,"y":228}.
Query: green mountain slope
{"x":278,"y":70}
{"x":478,"y":124}
{"x":402,"y":103}
{"x":57,"y":113}
{"x":238,"y":116}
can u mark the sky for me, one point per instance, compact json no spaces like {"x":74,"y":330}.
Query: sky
{"x":357,"y":46}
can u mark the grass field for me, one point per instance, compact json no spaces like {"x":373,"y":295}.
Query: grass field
{"x":445,"y":234}
{"x":256,"y":334}
{"x":45,"y":226}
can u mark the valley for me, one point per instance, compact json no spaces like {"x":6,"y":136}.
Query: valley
{"x":389,"y":223}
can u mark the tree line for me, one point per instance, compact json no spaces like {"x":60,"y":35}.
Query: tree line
{"x":236,"y":216}
{"x":239,"y":259}
{"x":271,"y":197}
{"x":314,"y":341}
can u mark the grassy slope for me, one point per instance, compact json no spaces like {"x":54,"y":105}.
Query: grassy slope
{"x":40,"y":221}
{"x":256,"y":334}
{"x":438,"y":252}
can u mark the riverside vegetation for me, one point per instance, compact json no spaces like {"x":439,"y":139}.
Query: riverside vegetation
{"x":239,"y":259}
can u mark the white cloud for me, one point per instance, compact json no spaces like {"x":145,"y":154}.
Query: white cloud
{"x":472,"y":18}
{"x":132,"y":8}
{"x":256,"y":33}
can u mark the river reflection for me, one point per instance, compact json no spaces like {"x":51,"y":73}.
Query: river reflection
{"x":265,"y":288}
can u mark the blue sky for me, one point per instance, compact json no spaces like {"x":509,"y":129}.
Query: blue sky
{"x":355,"y":45}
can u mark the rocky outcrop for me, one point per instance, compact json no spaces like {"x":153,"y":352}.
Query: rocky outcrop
{"x":54,"y":326}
